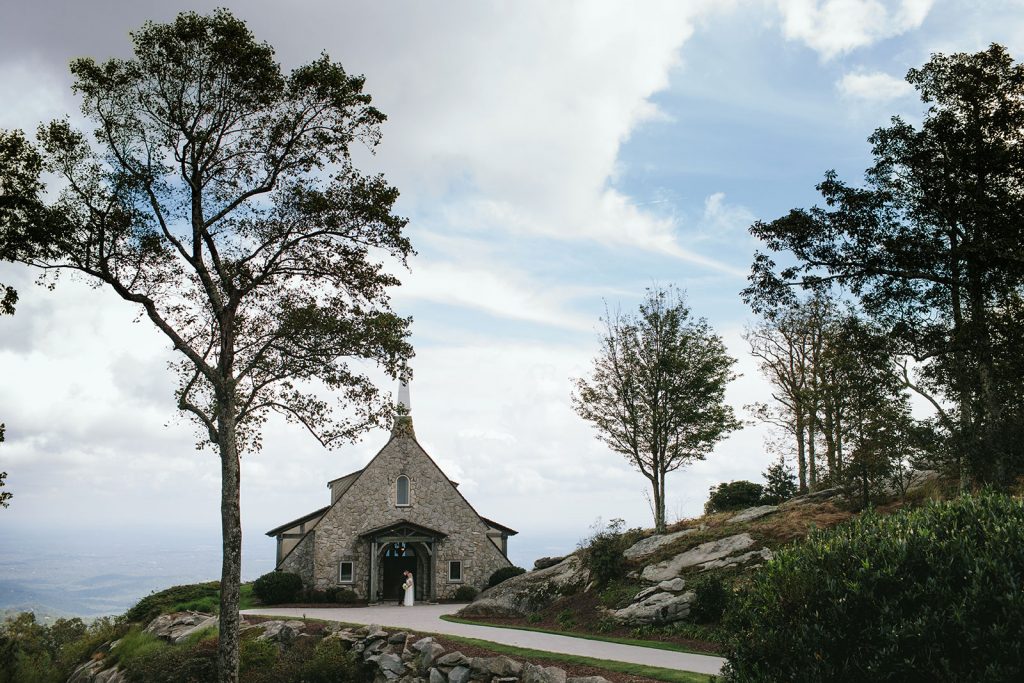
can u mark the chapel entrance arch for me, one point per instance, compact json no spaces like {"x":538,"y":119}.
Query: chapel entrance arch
{"x":398,"y":547}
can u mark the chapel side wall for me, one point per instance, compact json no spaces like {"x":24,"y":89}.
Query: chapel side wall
{"x":300,"y":559}
{"x":370,"y":503}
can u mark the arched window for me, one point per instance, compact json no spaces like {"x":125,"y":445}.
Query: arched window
{"x":402,"y":494}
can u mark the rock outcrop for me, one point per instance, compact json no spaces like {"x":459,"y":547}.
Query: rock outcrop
{"x":529,"y":592}
{"x":750,"y":514}
{"x":651,"y":544}
{"x":175,"y":628}
{"x":696,"y":557}
{"x":93,"y":672}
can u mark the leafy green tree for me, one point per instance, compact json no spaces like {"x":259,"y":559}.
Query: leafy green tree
{"x":657,"y":390}
{"x":733,"y":495}
{"x":220,"y":199}
{"x":931,"y":247}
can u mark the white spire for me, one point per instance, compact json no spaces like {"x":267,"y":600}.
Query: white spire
{"x":404,"y":402}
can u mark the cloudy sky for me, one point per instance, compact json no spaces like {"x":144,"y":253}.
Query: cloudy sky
{"x":552,"y":156}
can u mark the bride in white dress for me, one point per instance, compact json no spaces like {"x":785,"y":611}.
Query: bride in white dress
{"x":409,"y":587}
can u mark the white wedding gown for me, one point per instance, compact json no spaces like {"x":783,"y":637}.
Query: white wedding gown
{"x":409,"y":595}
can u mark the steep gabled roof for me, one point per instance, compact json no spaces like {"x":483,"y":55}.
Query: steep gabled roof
{"x":288,"y":525}
{"x":403,"y":428}
{"x":502,"y":527}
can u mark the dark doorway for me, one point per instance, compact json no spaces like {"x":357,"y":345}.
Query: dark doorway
{"x":397,"y":558}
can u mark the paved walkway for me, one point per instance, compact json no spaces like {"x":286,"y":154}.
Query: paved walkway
{"x":428,"y":618}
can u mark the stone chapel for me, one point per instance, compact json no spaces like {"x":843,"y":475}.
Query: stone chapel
{"x":400,"y":512}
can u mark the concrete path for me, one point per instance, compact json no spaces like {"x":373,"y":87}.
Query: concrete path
{"x":428,"y":618}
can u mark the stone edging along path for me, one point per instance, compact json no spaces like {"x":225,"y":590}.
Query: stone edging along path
{"x":427,"y":618}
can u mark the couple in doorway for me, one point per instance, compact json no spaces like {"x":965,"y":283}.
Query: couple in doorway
{"x":408,"y":588}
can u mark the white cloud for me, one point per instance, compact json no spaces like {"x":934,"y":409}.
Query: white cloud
{"x":875,"y":86}
{"x":487,"y":287}
{"x":834,"y":27}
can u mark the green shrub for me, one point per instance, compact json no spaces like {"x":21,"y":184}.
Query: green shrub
{"x":602,"y":552}
{"x":307,"y":661}
{"x":926,"y":595}
{"x":256,"y":654}
{"x":566,"y":619}
{"x":465,"y":594}
{"x":331,"y":662}
{"x":136,"y":644}
{"x":710,"y":599}
{"x":733,"y":495}
{"x":277,"y":587}
{"x":534,"y":618}
{"x":174,"y":599}
{"x":503,"y":574}
{"x":195,"y":663}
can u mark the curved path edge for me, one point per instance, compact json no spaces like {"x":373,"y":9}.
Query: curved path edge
{"x":428,"y":618}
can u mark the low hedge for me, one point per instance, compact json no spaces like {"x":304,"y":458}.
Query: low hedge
{"x":933,"y":594}
{"x":504,"y":574}
{"x":277,"y":587}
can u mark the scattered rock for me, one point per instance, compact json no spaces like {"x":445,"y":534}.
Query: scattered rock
{"x":437,"y":677}
{"x":391,"y":662}
{"x":281,"y":632}
{"x":587,"y":679}
{"x":649,"y":545}
{"x":429,"y":654}
{"x":422,"y":644}
{"x":459,"y":674}
{"x":398,"y":638}
{"x":532,"y":673}
{"x":753,"y":513}
{"x":453,"y":659}
{"x":660,"y":608}
{"x":545,"y":562}
{"x":705,"y":552}
{"x":93,"y":672}
{"x":674,"y":585}
{"x":503,"y":667}
{"x":650,"y":590}
{"x":179,"y":625}
{"x":754,"y":556}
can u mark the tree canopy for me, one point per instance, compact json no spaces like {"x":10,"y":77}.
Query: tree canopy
{"x":930,"y":248}
{"x":217,"y":195}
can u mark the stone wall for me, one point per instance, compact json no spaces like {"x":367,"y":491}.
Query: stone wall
{"x":370,"y":502}
{"x":300,"y":559}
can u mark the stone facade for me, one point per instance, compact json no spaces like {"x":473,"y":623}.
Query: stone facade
{"x":366,"y":519}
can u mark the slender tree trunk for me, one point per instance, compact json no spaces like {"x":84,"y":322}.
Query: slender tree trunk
{"x":658,"y":487}
{"x":231,"y":529}
{"x":801,"y":457}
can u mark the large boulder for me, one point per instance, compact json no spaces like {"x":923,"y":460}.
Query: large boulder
{"x":651,"y":544}
{"x":656,"y":608}
{"x":529,"y":592}
{"x":178,"y":626}
{"x":704,"y":553}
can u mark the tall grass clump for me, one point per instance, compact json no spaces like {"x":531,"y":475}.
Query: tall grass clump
{"x":933,"y":594}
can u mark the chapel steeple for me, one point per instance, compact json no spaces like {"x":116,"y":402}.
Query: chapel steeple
{"x":403,"y":412}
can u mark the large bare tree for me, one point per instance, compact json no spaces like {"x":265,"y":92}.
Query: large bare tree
{"x":219,"y":198}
